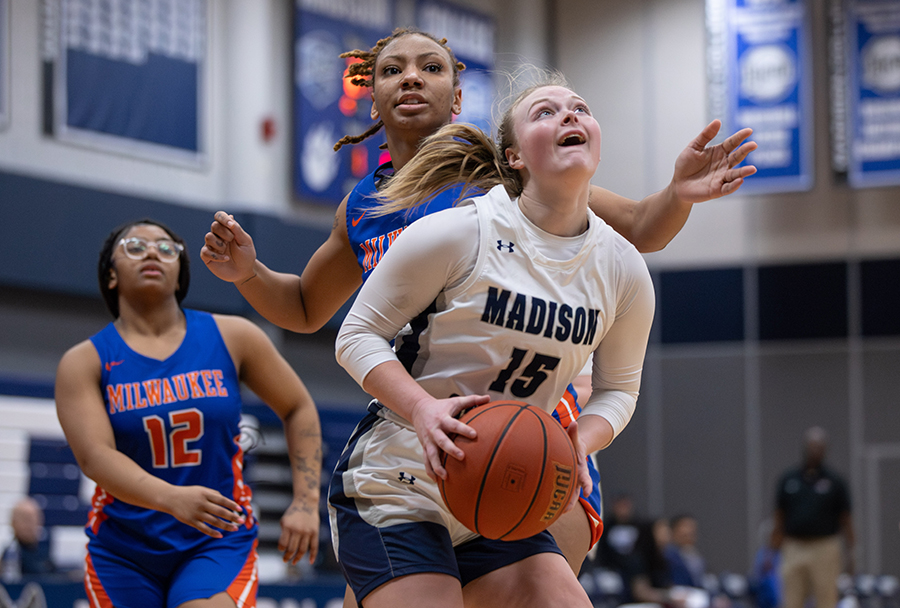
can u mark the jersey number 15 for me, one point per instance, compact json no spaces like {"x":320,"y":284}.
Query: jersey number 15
{"x":529,"y":379}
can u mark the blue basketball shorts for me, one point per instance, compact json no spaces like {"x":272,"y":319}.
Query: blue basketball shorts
{"x":158,"y":579}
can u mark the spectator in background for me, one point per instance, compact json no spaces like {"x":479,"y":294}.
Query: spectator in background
{"x":646,"y":575}
{"x":620,"y":534}
{"x":765,"y":581}
{"x":29,"y":552}
{"x":686,"y":565}
{"x":813,"y":509}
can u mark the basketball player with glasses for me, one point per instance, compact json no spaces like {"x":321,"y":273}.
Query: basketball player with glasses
{"x":151,"y":407}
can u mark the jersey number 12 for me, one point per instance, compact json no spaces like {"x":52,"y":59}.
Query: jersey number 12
{"x":185,"y":426}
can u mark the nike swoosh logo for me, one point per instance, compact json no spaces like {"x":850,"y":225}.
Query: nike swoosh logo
{"x":111,"y":364}
{"x":357,"y":220}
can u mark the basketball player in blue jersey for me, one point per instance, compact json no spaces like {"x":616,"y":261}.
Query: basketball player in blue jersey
{"x":151,"y":407}
{"x":503,"y":297}
{"x":415,"y":90}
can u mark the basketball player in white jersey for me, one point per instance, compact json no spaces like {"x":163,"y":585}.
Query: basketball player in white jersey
{"x":506,"y":296}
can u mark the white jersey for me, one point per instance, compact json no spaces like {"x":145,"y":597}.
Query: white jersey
{"x":497,"y":306}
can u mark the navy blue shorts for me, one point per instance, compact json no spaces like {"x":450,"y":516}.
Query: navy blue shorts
{"x":379,"y":555}
{"x":388,"y":519}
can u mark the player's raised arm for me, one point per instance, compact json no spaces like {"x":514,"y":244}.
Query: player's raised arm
{"x":298,"y":303}
{"x":702,"y":173}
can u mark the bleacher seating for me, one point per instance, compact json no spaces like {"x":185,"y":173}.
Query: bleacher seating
{"x":56,"y":482}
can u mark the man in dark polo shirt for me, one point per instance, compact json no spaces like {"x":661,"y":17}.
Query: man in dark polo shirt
{"x":812,"y":510}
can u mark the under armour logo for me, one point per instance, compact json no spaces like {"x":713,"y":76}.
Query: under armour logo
{"x":407,"y":480}
{"x":501,"y":245}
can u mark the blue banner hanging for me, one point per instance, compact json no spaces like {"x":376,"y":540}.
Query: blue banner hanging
{"x":327,"y":106}
{"x":873,"y":45}
{"x":471,"y":37}
{"x":760,"y":76}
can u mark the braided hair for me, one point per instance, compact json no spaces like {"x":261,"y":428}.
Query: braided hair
{"x":362,"y":73}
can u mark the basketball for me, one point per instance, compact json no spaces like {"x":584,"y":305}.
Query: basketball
{"x":518,"y":474}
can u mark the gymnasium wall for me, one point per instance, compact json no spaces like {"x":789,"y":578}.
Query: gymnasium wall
{"x":774,"y":312}
{"x":248,"y":78}
{"x":764,"y":301}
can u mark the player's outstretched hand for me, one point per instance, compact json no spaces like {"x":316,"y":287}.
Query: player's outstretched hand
{"x":228,"y":250}
{"x":705,"y":172}
{"x":585,"y":483}
{"x":205,"y":509}
{"x":435,"y":420}
{"x":299,"y":532}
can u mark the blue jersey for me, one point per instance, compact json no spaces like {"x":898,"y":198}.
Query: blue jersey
{"x":178,"y":419}
{"x":371,"y":236}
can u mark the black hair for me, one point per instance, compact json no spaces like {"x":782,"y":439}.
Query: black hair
{"x":105,"y":265}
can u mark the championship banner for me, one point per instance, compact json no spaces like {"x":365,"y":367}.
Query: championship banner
{"x":873,"y":92}
{"x":128,"y":75}
{"x":328,"y":107}
{"x":4,"y":63}
{"x":760,"y":76}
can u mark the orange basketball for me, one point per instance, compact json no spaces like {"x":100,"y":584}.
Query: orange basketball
{"x":518,"y":473}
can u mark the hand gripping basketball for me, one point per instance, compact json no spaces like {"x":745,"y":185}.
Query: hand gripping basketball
{"x":518,"y":475}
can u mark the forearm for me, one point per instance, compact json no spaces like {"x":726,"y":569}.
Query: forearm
{"x":702,"y":172}
{"x":124,"y":479}
{"x":657,"y":219}
{"x":595,"y":432}
{"x":277,"y":297}
{"x":614,"y":408}
{"x":304,"y":444}
{"x":392,"y":386}
{"x":619,"y":359}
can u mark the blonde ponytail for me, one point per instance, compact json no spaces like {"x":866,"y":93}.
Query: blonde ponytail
{"x":455,"y":154}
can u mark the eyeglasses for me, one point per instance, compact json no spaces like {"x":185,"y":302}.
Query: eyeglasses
{"x":166,"y":249}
